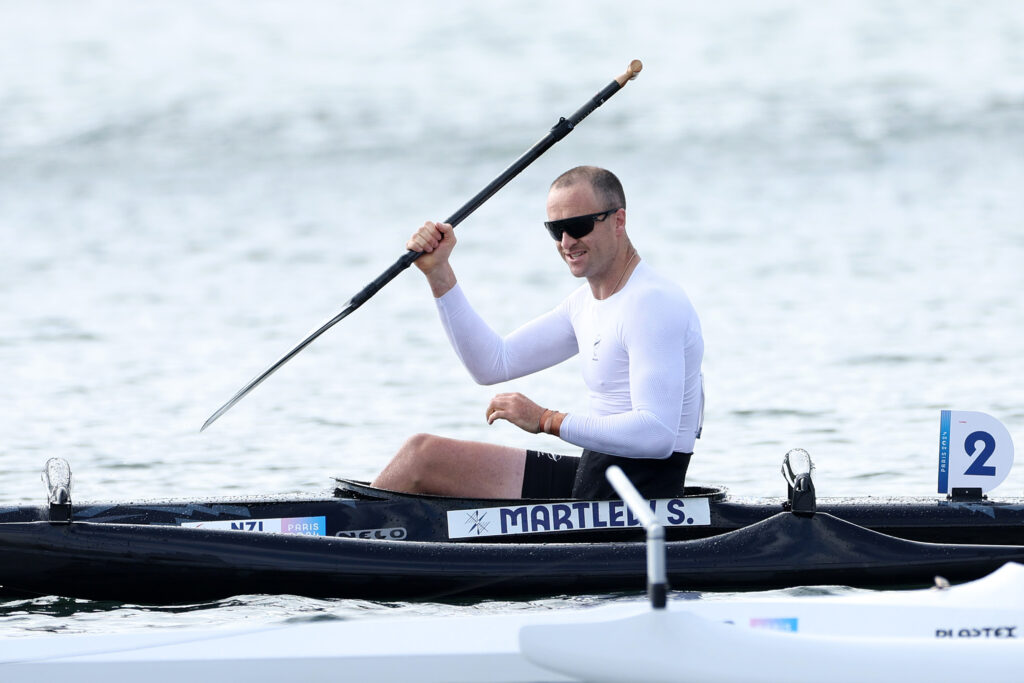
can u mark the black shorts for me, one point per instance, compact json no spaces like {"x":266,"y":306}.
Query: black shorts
{"x":548,"y":475}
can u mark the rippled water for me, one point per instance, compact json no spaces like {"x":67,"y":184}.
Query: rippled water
{"x":186,"y":188}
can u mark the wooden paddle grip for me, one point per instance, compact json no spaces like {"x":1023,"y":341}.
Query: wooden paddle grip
{"x":634,"y":68}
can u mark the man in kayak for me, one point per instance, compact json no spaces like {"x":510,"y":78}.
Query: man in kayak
{"x":642,"y":343}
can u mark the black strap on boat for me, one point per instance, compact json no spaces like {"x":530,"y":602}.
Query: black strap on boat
{"x":969,"y":494}
{"x":557,"y":132}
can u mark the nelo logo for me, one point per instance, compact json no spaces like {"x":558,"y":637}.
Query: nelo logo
{"x":392,"y":534}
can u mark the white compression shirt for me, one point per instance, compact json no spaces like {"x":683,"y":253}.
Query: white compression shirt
{"x":642,"y":351}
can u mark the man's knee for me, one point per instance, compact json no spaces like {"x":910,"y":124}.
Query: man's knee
{"x":422,"y":447}
{"x":422,"y":459}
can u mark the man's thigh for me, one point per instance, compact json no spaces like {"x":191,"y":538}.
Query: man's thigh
{"x":474,"y":469}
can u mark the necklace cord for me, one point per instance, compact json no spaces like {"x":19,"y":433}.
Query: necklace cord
{"x":616,"y":287}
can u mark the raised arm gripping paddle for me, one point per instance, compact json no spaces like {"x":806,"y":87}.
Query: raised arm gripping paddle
{"x":559,"y":131}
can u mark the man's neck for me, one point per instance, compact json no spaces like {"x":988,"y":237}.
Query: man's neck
{"x":624,"y":266}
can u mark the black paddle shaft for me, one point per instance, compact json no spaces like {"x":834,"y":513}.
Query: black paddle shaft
{"x":557,"y":132}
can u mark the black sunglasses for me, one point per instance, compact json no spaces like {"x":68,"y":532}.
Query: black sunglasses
{"x":577,"y":226}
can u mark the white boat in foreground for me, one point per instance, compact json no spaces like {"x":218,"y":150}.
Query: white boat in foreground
{"x":975,"y":630}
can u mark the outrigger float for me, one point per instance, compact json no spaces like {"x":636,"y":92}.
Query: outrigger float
{"x":364,"y":542}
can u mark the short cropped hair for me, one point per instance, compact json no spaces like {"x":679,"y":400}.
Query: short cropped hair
{"x":604,"y":183}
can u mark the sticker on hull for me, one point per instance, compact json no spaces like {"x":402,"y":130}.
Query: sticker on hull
{"x":307,"y":526}
{"x":542,"y":518}
{"x":788,"y":624}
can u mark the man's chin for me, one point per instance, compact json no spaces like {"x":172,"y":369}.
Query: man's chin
{"x":576,"y":268}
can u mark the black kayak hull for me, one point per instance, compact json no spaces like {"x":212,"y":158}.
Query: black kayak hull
{"x":363,"y":542}
{"x":168,"y":564}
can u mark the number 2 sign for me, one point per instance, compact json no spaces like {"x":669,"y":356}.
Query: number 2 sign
{"x":975,"y":451}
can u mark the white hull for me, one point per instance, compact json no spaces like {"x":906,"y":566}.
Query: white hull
{"x":484,"y":648}
{"x":975,"y":630}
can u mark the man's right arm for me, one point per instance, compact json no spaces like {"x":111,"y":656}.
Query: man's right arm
{"x":491,"y":358}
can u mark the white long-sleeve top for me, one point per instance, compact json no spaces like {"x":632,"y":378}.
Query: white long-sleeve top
{"x":640,"y":351}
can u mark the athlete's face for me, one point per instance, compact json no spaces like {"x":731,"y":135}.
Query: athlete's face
{"x":590,"y":256}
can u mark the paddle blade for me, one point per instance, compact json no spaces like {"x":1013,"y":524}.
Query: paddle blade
{"x":258,"y":379}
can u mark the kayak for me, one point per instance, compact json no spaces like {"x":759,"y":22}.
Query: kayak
{"x":934,"y":635}
{"x":363,"y":542}
{"x":160,"y":563}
